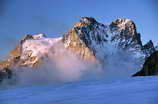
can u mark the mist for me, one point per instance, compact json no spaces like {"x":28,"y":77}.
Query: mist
{"x":61,"y":65}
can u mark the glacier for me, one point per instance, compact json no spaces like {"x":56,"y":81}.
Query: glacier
{"x":138,"y":90}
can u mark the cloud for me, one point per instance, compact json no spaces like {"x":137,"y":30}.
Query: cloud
{"x":60,"y":66}
{"x":63,"y":66}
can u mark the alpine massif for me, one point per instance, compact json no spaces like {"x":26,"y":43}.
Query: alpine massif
{"x":87,"y":40}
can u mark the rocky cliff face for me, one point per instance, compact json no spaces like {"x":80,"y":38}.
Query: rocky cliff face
{"x":92,"y":37}
{"x":87,"y":39}
{"x":150,"y":66}
{"x":125,"y":34}
{"x":149,"y":48}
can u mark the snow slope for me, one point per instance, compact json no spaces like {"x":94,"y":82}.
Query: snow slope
{"x":138,"y":90}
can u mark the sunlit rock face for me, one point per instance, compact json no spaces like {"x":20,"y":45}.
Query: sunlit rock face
{"x":85,"y":37}
{"x":87,"y":40}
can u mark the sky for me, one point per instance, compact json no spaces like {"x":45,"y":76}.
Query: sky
{"x":55,"y":17}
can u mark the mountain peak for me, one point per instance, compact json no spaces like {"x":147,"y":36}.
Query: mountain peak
{"x":88,"y":20}
{"x":29,"y":36}
{"x":85,"y":36}
{"x":85,"y":21}
{"x":123,"y":23}
{"x":125,"y":31}
{"x":148,"y":48}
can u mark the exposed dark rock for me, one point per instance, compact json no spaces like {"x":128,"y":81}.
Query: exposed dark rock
{"x":148,"y":48}
{"x":150,"y":66}
{"x":125,"y":33}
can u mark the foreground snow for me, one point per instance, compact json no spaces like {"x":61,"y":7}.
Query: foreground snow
{"x":140,"y":90}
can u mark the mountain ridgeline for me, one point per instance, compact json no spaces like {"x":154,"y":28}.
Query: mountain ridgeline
{"x":88,"y":40}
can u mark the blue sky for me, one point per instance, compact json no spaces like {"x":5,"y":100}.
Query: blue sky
{"x":54,"y":17}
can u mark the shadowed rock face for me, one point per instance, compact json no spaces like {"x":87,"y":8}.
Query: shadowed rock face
{"x":150,"y":66}
{"x":148,"y":48}
{"x":125,"y":33}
